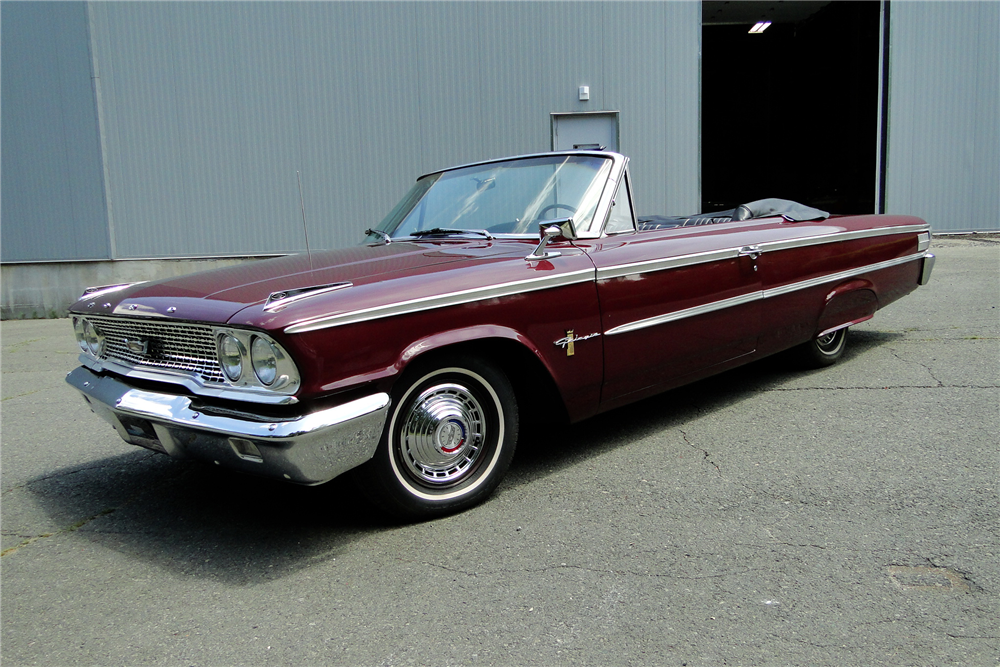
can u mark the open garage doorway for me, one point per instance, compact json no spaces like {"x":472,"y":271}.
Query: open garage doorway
{"x":791,"y":112}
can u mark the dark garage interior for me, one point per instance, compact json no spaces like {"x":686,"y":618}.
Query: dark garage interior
{"x":791,"y":112}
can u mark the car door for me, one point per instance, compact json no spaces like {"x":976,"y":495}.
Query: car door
{"x":675,"y":304}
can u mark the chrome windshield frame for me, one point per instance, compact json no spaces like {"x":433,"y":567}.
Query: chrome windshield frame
{"x":596,"y":226}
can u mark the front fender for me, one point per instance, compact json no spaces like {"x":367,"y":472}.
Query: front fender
{"x":477,"y":333}
{"x":376,"y":351}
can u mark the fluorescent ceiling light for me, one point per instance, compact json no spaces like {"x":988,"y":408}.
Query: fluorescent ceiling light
{"x":760,"y":27}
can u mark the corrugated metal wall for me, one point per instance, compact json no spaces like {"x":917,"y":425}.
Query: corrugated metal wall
{"x":944,"y":117}
{"x":51,"y":188}
{"x":210,"y":109}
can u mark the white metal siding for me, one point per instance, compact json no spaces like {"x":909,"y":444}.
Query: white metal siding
{"x":653,"y":77}
{"x":52,"y":191}
{"x":944,"y":114}
{"x":209,"y":109}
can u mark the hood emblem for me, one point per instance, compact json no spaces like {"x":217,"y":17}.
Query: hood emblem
{"x":132,"y":306}
{"x":568,"y":343}
{"x":137,"y":346}
{"x":104,"y":289}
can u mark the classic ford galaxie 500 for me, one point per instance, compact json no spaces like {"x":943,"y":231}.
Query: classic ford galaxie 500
{"x":490,"y":289}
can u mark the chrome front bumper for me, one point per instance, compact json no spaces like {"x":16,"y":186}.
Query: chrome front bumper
{"x":310,"y":449}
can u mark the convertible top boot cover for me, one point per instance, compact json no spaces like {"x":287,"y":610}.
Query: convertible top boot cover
{"x":762,"y":208}
{"x":790,"y":210}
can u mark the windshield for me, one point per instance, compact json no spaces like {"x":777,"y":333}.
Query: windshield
{"x":503,"y":197}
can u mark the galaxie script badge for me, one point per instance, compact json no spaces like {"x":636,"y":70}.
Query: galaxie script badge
{"x":570,"y":339}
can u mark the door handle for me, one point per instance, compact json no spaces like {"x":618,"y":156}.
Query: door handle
{"x":751,"y":251}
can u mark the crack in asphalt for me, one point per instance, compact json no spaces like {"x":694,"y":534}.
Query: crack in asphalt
{"x":705,"y":453}
{"x":895,"y":386}
{"x":894,"y":352}
{"x":68,"y":473}
{"x":67,"y":529}
{"x":82,"y":522}
{"x":27,"y":393}
{"x":794,"y":544}
{"x":565,"y":566}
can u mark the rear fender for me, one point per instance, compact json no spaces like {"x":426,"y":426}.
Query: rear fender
{"x":847,"y":304}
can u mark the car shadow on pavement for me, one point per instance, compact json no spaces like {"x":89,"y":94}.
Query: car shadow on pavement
{"x":545,"y":448}
{"x":197,"y":520}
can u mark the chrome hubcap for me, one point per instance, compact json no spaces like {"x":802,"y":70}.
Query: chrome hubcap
{"x":830,"y":343}
{"x":443,"y":434}
{"x":827,"y":340}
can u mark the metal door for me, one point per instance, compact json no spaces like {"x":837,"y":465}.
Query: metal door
{"x":597,"y":130}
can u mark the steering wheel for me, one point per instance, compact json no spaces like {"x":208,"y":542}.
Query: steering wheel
{"x":553,"y":207}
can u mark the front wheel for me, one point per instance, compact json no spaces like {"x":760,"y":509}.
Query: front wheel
{"x":449,"y":439}
{"x":824,"y":350}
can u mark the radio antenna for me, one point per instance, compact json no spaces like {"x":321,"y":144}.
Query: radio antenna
{"x":305,"y":231}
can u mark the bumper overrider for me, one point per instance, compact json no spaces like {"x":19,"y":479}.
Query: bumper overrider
{"x":310,"y":449}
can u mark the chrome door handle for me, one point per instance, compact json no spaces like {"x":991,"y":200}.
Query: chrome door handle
{"x":751,"y":251}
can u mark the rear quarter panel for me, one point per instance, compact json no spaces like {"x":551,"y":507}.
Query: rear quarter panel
{"x":819,"y":275}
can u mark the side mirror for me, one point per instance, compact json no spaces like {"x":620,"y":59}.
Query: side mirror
{"x":548,"y":230}
{"x":568,"y":229}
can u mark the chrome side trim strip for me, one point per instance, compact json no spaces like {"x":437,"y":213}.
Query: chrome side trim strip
{"x":765,"y":294}
{"x":687,"y":312}
{"x":840,"y":275}
{"x":606,"y":273}
{"x":842,"y":236}
{"x":649,"y":266}
{"x":442,"y":301}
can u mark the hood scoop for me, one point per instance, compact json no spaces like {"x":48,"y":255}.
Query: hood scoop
{"x":280,"y":300}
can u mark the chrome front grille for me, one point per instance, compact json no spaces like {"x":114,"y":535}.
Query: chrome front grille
{"x":170,"y":346}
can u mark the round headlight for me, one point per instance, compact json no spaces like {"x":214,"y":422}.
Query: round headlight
{"x":231,"y":356}
{"x":265,"y":360}
{"x":78,"y":330}
{"x":92,"y":338}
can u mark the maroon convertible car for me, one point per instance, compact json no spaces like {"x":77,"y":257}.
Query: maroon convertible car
{"x":491,"y":288}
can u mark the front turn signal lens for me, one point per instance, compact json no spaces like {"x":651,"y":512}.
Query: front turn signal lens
{"x":93,"y":338}
{"x":81,"y":340}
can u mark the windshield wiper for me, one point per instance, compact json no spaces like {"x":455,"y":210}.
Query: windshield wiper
{"x":441,"y":231}
{"x":378,"y":232}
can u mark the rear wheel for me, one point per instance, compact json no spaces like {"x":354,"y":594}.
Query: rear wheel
{"x":822,"y":351}
{"x":449,"y":439}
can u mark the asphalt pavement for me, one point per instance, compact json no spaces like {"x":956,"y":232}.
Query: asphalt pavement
{"x":766,"y":516}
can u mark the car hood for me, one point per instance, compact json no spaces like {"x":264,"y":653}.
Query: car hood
{"x":221,"y":295}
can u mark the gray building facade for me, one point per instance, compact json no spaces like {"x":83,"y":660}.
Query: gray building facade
{"x":141,"y":140}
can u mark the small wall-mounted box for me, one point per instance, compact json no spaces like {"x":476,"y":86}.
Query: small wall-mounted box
{"x":584,"y":93}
